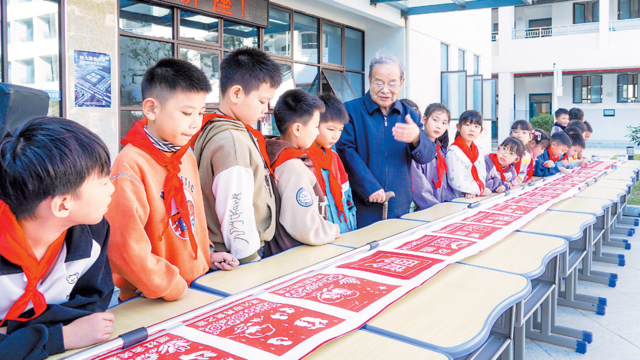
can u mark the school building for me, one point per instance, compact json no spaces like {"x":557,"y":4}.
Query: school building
{"x":596,"y":46}
{"x":90,"y":55}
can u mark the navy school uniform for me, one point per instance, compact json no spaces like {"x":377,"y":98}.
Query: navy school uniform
{"x":79,"y":284}
{"x":374,"y":160}
{"x":542,"y":171}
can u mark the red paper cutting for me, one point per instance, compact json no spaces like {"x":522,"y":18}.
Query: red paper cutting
{"x":346,"y":292}
{"x":474,"y":231}
{"x":528,"y":201}
{"x":171,"y":347}
{"x":484,"y":217}
{"x":513,"y":208}
{"x":272,"y":327}
{"x":396,"y":265}
{"x":439,"y":245}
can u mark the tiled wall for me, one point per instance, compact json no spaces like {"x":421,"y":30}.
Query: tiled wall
{"x":92,"y":25}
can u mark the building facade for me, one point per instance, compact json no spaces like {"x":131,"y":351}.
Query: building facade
{"x":90,"y":55}
{"x":596,"y":45}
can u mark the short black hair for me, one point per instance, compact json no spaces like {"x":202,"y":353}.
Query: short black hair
{"x":560,"y":138}
{"x":169,"y":75}
{"x":411,"y":104}
{"x":589,"y":128}
{"x":578,"y":125}
{"x":249,"y":68}
{"x":48,"y":157}
{"x":540,"y":137}
{"x":521,"y":125}
{"x":562,"y":111}
{"x":515,"y":145}
{"x":334,"y":110}
{"x":438,"y":107}
{"x":577,"y":140}
{"x":296,"y":106}
{"x":570,"y":130}
{"x":576,"y":114}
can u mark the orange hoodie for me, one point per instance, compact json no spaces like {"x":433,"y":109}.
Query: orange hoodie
{"x":141,"y":256}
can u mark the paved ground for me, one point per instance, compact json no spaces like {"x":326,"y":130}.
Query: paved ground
{"x":616,"y":335}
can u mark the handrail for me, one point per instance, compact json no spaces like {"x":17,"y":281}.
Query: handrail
{"x":560,"y":30}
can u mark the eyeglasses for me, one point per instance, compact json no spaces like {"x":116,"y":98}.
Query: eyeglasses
{"x":520,"y":132}
{"x":392,"y":86}
{"x":505,"y":150}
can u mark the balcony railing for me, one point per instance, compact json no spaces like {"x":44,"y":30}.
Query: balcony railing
{"x":555,"y":31}
{"x":494,"y":36}
{"x":628,"y":24}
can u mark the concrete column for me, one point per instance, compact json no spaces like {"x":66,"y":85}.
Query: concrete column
{"x":605,"y":19}
{"x":506,"y":108}
{"x":506,"y":23}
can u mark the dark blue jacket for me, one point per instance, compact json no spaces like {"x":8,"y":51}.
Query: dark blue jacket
{"x":374,"y":160}
{"x":542,"y":171}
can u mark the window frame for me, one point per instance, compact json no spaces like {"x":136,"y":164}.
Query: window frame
{"x":586,"y":81}
{"x":588,"y":11}
{"x":629,"y":83}
{"x":463,"y":54}
{"x":62,"y":58}
{"x":632,"y":10}
{"x":447,"y":52}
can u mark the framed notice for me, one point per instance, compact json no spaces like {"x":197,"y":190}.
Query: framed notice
{"x":92,"y":77}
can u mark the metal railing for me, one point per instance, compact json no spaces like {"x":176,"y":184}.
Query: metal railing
{"x":555,"y":31}
{"x":628,"y":24}
{"x":494,"y":36}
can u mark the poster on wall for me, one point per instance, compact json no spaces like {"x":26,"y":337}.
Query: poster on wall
{"x":92,"y":75}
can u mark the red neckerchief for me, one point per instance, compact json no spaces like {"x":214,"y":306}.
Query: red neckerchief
{"x":564,"y":157}
{"x":551,"y":157}
{"x":15,"y":248}
{"x":473,"y":154}
{"x":530,"y":171}
{"x":322,"y":160}
{"x":498,"y":166}
{"x":262,"y":142}
{"x":517,"y":166}
{"x":441,"y":166}
{"x":173,"y":188}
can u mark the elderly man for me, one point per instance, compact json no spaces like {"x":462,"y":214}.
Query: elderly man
{"x":379,"y":142}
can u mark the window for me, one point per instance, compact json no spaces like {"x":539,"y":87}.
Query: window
{"x":444,"y":57}
{"x":586,"y":12}
{"x":307,"y":60}
{"x":461,"y":64}
{"x":454,"y":92}
{"x":489,"y":99}
{"x":474,"y":93}
{"x":476,"y":65}
{"x":33,"y":58}
{"x":587,"y":89}
{"x":627,"y":9}
{"x":627,"y":88}
{"x":539,"y":28}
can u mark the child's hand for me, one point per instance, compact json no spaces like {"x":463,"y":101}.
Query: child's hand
{"x":337,"y":231}
{"x":486,"y":192}
{"x":222,"y":261}
{"x":565,"y":171}
{"x":565,"y":162}
{"x":501,"y":189}
{"x":584,"y":162}
{"x":548,"y":164}
{"x":468,"y":196}
{"x":88,"y":330}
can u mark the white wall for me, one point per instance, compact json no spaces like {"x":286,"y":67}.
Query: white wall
{"x":526,"y":13}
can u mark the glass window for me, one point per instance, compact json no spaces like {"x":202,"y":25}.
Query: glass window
{"x":237,"y":36}
{"x":209,"y":64}
{"x":354,"y":40}
{"x":144,"y":19}
{"x":444,"y":57}
{"x":579,"y":14}
{"x":277,"y":38}
{"x":476,"y":64}
{"x":596,"y":89}
{"x":489,"y":99}
{"x":305,"y":38}
{"x":624,"y":11}
{"x":474,"y":93}
{"x":461,"y":64}
{"x":127,"y":119}
{"x":454,"y":92}
{"x":332,"y":44}
{"x":340,"y":86}
{"x":35,"y":62}
{"x":595,"y":11}
{"x":287,"y":84}
{"x":136,"y":56}
{"x":198,"y":27}
{"x":577,"y":89}
{"x":306,"y":77}
{"x":628,"y":88}
{"x":356,"y":80}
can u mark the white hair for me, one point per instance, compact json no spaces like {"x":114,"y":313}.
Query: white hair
{"x":384,"y":57}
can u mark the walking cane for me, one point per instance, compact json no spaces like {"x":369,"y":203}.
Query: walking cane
{"x":385,"y":205}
